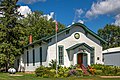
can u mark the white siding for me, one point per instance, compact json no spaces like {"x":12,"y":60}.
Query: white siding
{"x":70,"y":41}
{"x":37,"y":57}
{"x":66,"y":40}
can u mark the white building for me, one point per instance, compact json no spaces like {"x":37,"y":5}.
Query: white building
{"x":111,"y":56}
{"x":75,"y":45}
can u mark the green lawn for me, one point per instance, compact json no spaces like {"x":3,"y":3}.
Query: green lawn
{"x":6,"y":76}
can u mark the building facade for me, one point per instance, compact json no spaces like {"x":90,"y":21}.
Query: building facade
{"x":75,"y":45}
{"x":111,"y":56}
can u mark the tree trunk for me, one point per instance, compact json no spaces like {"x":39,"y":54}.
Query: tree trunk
{"x":6,"y":66}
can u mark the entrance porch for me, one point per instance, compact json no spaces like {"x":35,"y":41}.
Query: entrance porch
{"x":81,"y":54}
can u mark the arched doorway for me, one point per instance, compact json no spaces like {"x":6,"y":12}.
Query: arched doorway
{"x":82,"y":59}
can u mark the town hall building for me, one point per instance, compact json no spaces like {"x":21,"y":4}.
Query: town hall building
{"x":75,"y":45}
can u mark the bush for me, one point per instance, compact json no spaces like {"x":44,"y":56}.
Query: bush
{"x":98,"y":72}
{"x":63,"y":71}
{"x":75,"y":72}
{"x":79,"y":72}
{"x":44,"y":72}
{"x":72,"y":67}
{"x":52,"y":64}
{"x":72,"y":72}
{"x":105,"y":69}
{"x":118,"y":74}
{"x":97,"y":66}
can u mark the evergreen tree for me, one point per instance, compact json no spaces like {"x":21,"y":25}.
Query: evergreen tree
{"x":11,"y":33}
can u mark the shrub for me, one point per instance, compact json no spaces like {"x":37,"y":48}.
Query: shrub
{"x":52,"y":64}
{"x":72,"y":67}
{"x":63,"y":71}
{"x":98,"y":72}
{"x":72,"y":72}
{"x":92,"y":71}
{"x":97,"y":66}
{"x":44,"y":72}
{"x":106,"y":70}
{"x":79,"y":72}
{"x":118,"y":74}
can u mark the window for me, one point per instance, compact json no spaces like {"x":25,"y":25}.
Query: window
{"x":33,"y":57}
{"x":40,"y":55}
{"x":61,"y":55}
{"x":27,"y":58}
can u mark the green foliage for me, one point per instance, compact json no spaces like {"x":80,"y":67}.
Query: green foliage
{"x":2,"y":60}
{"x":62,"y":72}
{"x":106,"y":70}
{"x":39,"y":26}
{"x":118,"y":74}
{"x":52,"y":64}
{"x":97,"y":66}
{"x":98,"y":72}
{"x":79,"y":72}
{"x":72,"y":67}
{"x":44,"y":72}
{"x":111,"y":34}
{"x":11,"y":32}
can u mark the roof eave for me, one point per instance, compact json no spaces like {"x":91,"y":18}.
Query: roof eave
{"x":91,"y":32}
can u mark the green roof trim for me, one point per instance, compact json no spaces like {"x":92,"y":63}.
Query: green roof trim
{"x":63,"y":30}
{"x":89,"y":31}
{"x":79,"y":44}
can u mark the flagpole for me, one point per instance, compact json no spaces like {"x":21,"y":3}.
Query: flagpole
{"x":56,"y":48}
{"x":56,"y":55}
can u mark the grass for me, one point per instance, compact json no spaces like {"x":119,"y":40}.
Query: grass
{"x":6,"y":76}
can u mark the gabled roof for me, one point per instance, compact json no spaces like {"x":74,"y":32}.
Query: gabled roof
{"x":76,"y":24}
{"x":79,"y":44}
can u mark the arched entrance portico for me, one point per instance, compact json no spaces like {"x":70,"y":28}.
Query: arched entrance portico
{"x":81,"y":54}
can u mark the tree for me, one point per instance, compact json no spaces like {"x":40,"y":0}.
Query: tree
{"x":111,"y":34}
{"x":11,"y":33}
{"x":38,"y":25}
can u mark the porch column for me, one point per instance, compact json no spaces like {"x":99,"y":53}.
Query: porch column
{"x":88,"y":58}
{"x":75,"y":59}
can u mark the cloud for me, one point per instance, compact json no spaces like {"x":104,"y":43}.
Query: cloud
{"x":31,"y":1}
{"x":104,"y":7}
{"x":49,"y":16}
{"x":79,"y":12}
{"x":117,"y":20}
{"x":24,"y":10}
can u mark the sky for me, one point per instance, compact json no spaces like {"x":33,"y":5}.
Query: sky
{"x":95,"y":14}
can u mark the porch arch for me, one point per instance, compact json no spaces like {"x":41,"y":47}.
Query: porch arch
{"x":81,"y":48}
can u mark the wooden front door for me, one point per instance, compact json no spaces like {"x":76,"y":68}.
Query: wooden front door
{"x":80,"y":59}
